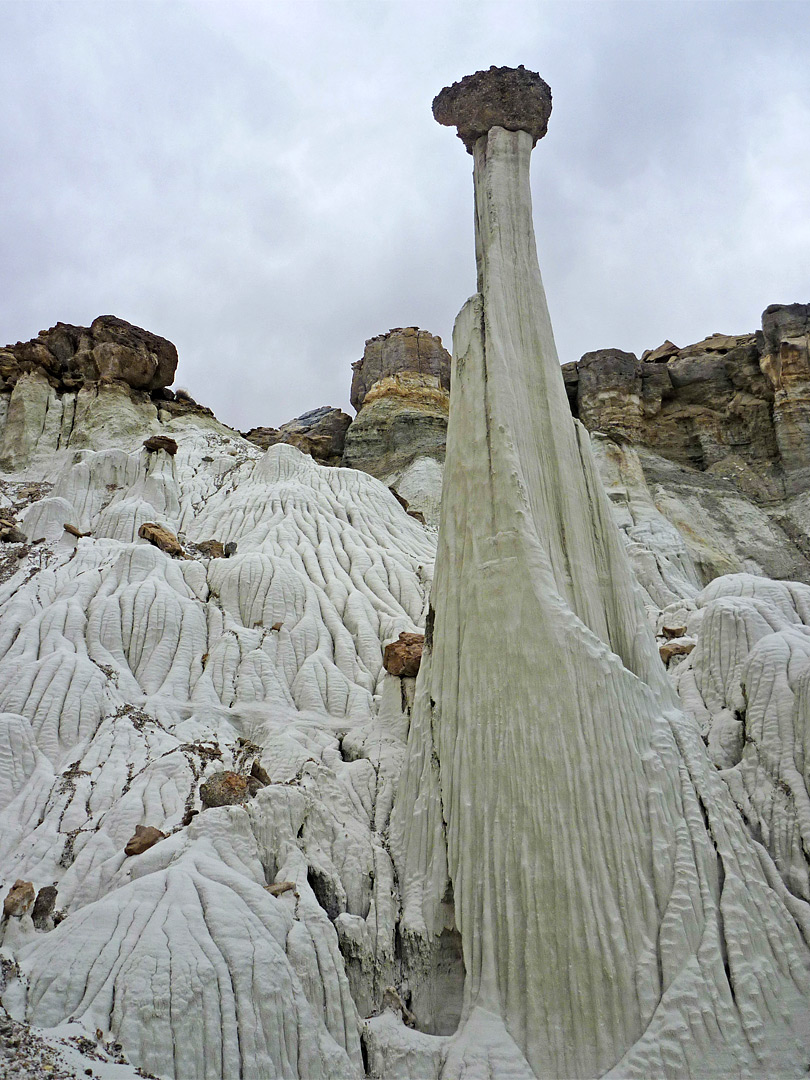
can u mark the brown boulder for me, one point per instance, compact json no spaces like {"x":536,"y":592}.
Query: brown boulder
{"x":74,"y":531}
{"x":511,"y":98}
{"x":224,"y":789}
{"x":213,"y":549}
{"x":161,"y":538}
{"x":19,"y":899}
{"x":403,"y":657}
{"x":675,"y":647}
{"x":160,"y":442}
{"x":145,"y":837}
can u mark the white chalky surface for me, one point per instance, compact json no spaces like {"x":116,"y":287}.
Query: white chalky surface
{"x":127,"y":677}
{"x":617,"y":917}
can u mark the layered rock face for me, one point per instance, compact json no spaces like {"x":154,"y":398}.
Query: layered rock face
{"x":407,"y":349}
{"x":714,"y":436}
{"x":401,"y":387}
{"x":735,"y":407}
{"x":555,"y":801}
{"x":710,"y":438}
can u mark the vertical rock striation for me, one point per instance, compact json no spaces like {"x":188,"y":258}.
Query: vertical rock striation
{"x":555,"y":805}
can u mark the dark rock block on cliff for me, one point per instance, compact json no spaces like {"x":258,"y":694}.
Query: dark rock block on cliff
{"x":110,"y":349}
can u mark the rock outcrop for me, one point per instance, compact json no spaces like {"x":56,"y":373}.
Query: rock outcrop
{"x":786,"y":363}
{"x":401,"y":387}
{"x":737,"y":408}
{"x":109,"y":349}
{"x":74,"y":388}
{"x":403,"y":349}
{"x":321,"y":433}
{"x":19,"y":900}
{"x":542,"y":719}
{"x":715,"y":434}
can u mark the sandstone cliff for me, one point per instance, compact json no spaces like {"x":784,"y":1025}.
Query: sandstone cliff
{"x":401,"y":387}
{"x":735,"y":407}
{"x":75,"y":387}
{"x":704,"y":447}
{"x":71,"y":356}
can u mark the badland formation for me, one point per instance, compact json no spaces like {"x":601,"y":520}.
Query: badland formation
{"x":468,"y":738}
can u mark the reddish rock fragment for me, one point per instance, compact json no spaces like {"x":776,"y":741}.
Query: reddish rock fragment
{"x":213,"y":549}
{"x":161,"y":538}
{"x":675,"y":648}
{"x":160,"y":442}
{"x":145,"y":837}
{"x":403,"y":657}
{"x":224,"y":789}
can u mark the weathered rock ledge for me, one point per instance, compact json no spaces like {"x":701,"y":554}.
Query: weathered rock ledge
{"x":109,"y":349}
{"x":734,"y":406}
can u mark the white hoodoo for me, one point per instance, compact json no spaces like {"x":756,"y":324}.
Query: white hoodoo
{"x":615,"y":914}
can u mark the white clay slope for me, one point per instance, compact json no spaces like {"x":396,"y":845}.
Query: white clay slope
{"x":615,"y":913}
{"x":127,"y":677}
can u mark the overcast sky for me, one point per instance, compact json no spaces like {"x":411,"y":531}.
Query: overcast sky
{"x":263,"y":183}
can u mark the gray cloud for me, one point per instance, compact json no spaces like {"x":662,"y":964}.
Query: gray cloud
{"x":263,"y":182}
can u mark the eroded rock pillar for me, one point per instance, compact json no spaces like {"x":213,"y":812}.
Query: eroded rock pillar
{"x":608,"y":897}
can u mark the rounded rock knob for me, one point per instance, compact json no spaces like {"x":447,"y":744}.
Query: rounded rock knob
{"x":511,"y":98}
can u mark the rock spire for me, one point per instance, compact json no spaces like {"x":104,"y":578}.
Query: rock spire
{"x":556,"y":806}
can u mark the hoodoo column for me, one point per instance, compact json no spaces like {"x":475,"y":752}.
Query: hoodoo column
{"x":608,"y":897}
